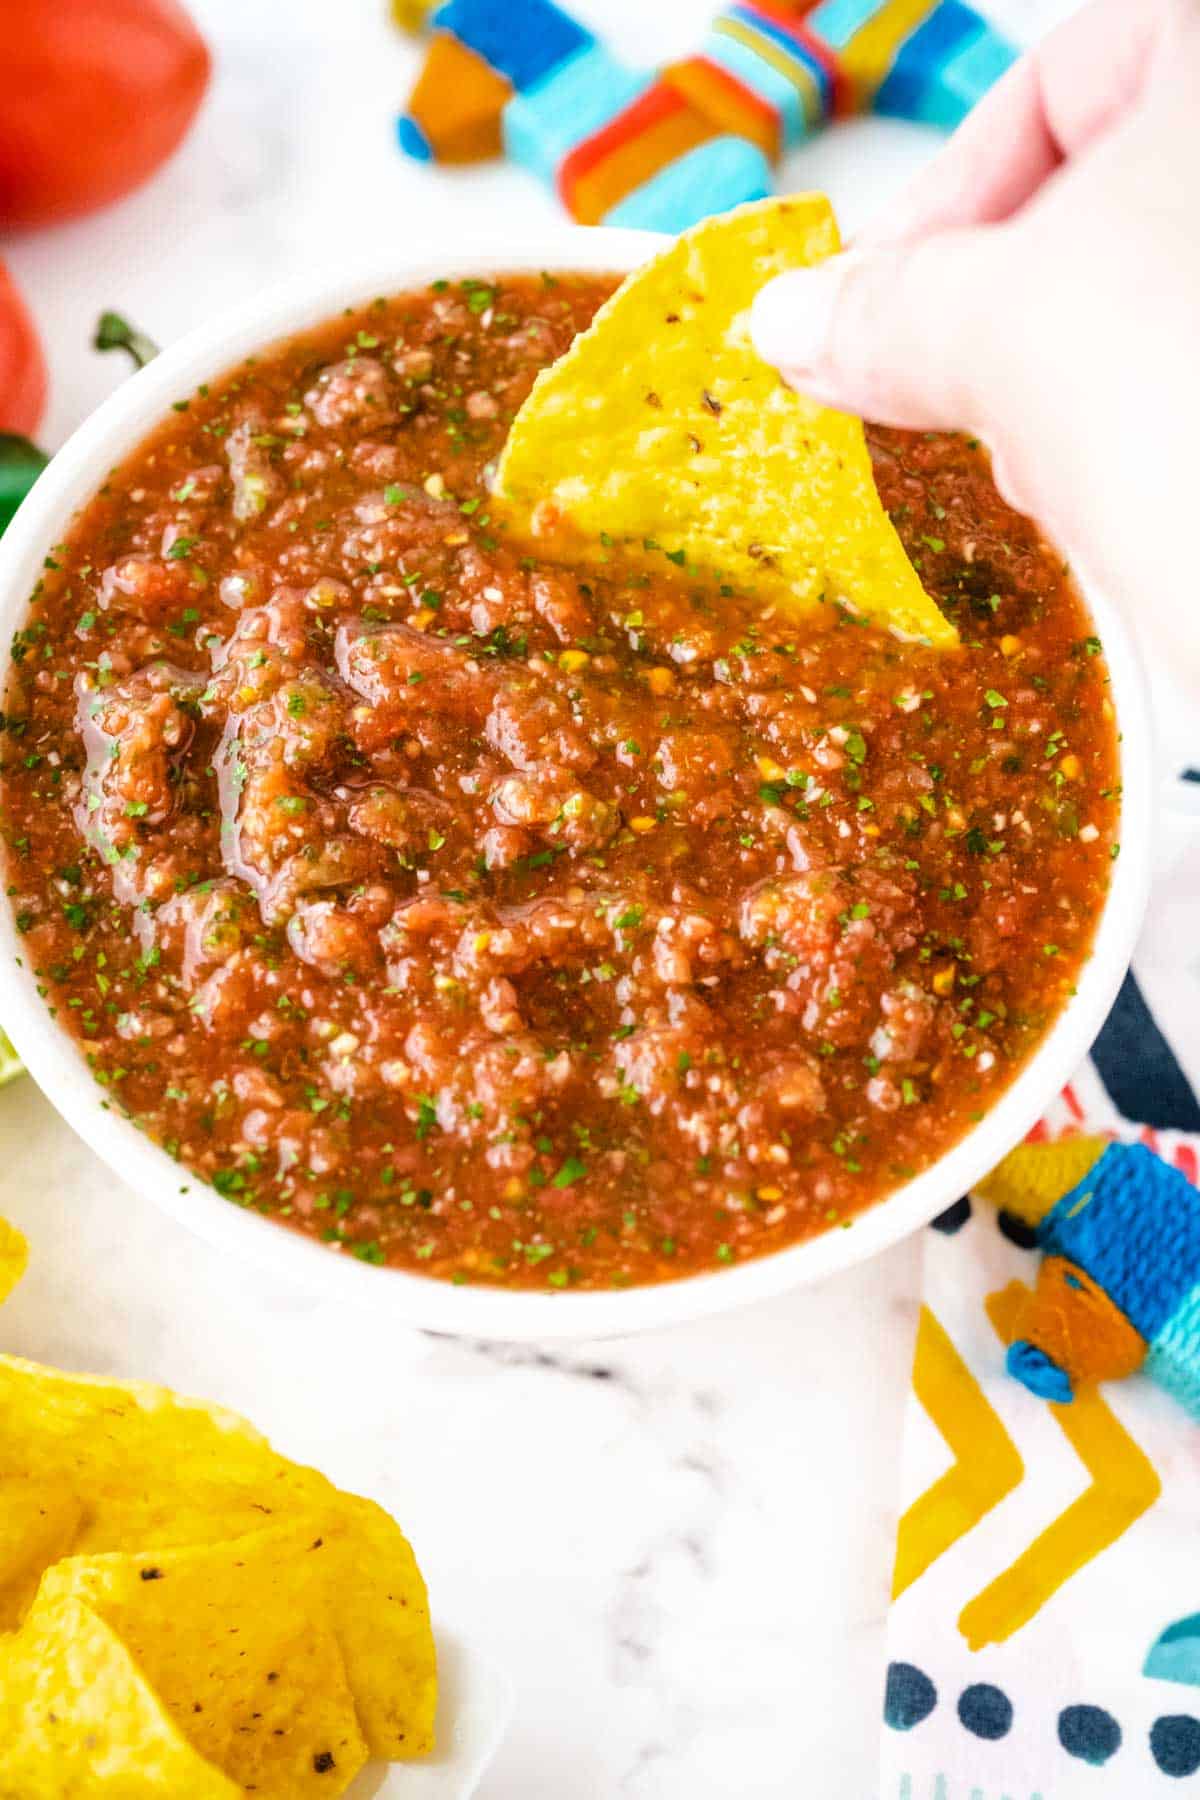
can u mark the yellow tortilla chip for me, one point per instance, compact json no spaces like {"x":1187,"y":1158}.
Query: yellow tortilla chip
{"x":662,"y":431}
{"x":55,"y":1419}
{"x":38,"y":1522}
{"x":154,"y":1470}
{"x":235,"y":1640}
{"x":14,"y":1254}
{"x":380,"y":1612}
{"x":78,"y":1720}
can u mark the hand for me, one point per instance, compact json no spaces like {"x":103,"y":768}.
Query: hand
{"x":1040,"y":287}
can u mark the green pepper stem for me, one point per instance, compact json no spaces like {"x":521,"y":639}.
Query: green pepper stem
{"x":115,"y":333}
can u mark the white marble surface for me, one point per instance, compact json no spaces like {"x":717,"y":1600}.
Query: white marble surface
{"x":679,"y":1547}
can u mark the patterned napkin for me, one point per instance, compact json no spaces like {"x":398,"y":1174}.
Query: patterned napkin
{"x":1044,"y":1638}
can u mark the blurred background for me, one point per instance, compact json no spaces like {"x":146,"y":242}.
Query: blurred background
{"x":292,"y":162}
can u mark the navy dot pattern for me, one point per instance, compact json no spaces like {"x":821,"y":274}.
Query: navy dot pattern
{"x":908,"y":1698}
{"x":1175,"y":1744}
{"x":985,"y":1711}
{"x":1088,"y":1733}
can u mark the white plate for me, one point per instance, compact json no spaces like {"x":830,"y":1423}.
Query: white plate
{"x":475,"y":1704}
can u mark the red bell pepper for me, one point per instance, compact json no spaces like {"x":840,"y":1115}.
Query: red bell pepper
{"x":22,"y":365}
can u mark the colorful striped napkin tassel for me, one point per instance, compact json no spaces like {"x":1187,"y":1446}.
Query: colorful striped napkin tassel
{"x":662,"y":149}
{"x":1118,"y":1287}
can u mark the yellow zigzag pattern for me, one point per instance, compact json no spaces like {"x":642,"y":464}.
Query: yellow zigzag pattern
{"x":986,"y":1461}
{"x":988,"y":1466}
{"x":1124,"y":1485}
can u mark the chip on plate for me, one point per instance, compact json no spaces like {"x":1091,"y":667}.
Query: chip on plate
{"x":662,"y":431}
{"x":236,"y":1642}
{"x":80,"y":1721}
{"x":117,"y":1480}
{"x":39,"y":1519}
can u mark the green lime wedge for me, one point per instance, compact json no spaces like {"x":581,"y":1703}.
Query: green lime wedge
{"x":10,"y":1063}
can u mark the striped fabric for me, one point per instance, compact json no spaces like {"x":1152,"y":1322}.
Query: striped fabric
{"x":1044,"y":1637}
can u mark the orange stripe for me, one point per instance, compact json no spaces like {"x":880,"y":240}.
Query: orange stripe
{"x":1072,"y":1102}
{"x":728,"y":102}
{"x":647,"y":109}
{"x":632,"y":165}
{"x":649,"y":134}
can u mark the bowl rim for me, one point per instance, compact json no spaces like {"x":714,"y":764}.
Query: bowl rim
{"x":113,"y":430}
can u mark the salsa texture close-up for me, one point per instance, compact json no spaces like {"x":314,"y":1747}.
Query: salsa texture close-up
{"x":519,"y":923}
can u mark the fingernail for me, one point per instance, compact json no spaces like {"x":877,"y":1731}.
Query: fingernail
{"x":792,"y":317}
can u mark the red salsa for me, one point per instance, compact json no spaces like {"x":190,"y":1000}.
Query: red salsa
{"x":514,"y":923}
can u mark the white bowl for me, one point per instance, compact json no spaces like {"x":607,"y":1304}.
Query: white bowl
{"x":115,"y":429}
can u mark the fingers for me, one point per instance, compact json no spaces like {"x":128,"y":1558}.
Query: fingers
{"x":895,"y":333}
{"x":996,"y":159}
{"x":1050,"y":106}
{"x":895,"y":329}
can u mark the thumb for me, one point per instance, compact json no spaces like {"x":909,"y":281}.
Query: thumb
{"x":896,"y":333}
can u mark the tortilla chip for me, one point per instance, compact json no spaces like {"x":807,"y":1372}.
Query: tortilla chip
{"x":78,"y":1721}
{"x":155,"y":1470}
{"x":38,"y":1522}
{"x":235,"y":1640}
{"x":378,"y":1605}
{"x":14,"y":1254}
{"x":100,"y":1423}
{"x":663,"y":432}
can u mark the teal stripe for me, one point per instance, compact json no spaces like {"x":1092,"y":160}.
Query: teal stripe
{"x":762,"y":80}
{"x":709,"y":179}
{"x":967,"y":76}
{"x":549,"y":119}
